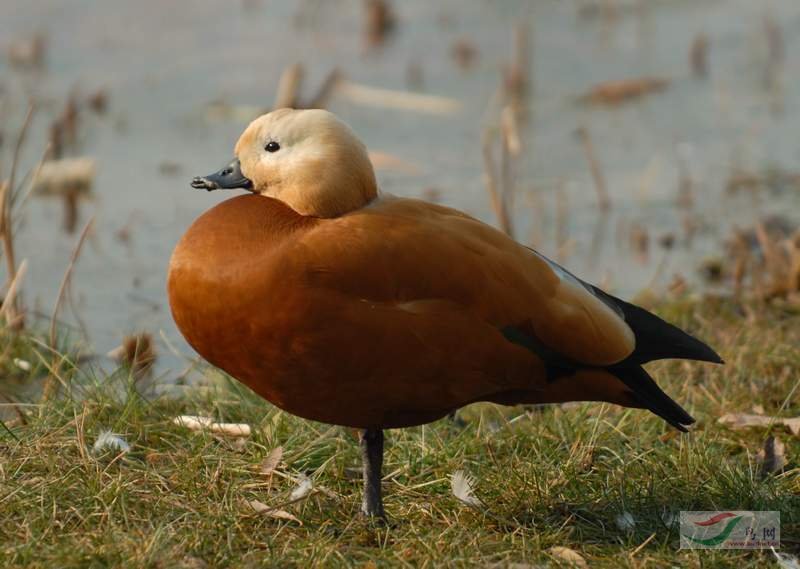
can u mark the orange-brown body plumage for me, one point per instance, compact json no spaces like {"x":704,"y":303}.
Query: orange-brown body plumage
{"x":389,"y":316}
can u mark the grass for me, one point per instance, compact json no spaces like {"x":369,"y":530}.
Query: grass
{"x":559,"y":476}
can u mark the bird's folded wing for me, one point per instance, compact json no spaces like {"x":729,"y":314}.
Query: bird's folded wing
{"x":401,"y":251}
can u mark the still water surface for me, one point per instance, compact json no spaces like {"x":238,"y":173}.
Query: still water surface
{"x":163,"y":63}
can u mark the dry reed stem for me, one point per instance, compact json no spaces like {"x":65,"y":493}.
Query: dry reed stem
{"x":49,"y":384}
{"x":562,"y":214}
{"x":511,"y":139}
{"x":498,"y":201}
{"x":379,"y":21}
{"x":776,"y":56}
{"x":698,"y":55}
{"x":288,"y":92}
{"x":6,"y":228}
{"x":516,"y":80}
{"x":506,"y":176}
{"x":326,"y":89}
{"x":603,"y":201}
{"x":7,"y":310}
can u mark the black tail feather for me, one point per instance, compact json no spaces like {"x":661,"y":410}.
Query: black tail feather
{"x":649,"y":395}
{"x":657,"y":339}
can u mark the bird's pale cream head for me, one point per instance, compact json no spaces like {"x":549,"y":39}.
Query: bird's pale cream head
{"x":308,"y":159}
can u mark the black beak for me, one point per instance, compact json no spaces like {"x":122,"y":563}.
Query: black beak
{"x":228,"y":178}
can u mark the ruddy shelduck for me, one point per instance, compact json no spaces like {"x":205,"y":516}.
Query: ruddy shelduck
{"x":343,"y":305}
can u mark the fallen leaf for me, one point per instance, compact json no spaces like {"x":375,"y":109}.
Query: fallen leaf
{"x":744,"y":420}
{"x":617,"y":92}
{"x":462,"y":485}
{"x":567,"y":555}
{"x":262,"y":508}
{"x":271,"y":462}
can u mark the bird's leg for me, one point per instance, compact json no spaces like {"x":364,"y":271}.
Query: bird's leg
{"x":371,"y":441}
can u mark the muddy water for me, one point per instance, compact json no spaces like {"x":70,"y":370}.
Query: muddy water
{"x":163,"y":66}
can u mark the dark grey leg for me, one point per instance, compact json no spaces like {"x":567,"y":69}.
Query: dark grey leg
{"x":372,"y":456}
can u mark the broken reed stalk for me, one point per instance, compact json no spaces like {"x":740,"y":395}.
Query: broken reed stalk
{"x":510,"y":148}
{"x":515,"y":79}
{"x":378,"y":23}
{"x":49,"y":384}
{"x":320,"y":100}
{"x":698,"y":55}
{"x":392,"y":99}
{"x":289,"y":85}
{"x":776,"y":56}
{"x":603,"y":201}
{"x":506,"y":188}
{"x":6,"y":228}
{"x":498,"y":200}
{"x":561,"y":221}
{"x":598,"y":240}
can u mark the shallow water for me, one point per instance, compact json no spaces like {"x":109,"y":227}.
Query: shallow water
{"x":163,"y":67}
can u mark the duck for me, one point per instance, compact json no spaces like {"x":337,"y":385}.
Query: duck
{"x":342,"y":304}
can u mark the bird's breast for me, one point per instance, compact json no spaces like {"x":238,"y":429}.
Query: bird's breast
{"x":231,"y":291}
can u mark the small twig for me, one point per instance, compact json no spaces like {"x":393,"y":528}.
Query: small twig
{"x":642,"y":545}
{"x":48,"y":386}
{"x":603,"y":200}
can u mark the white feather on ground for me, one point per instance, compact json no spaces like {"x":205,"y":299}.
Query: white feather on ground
{"x":786,"y":561}
{"x":463,"y":487}
{"x":669,"y":518}
{"x":625,"y":521}
{"x":302,"y":489}
{"x":108,"y":441}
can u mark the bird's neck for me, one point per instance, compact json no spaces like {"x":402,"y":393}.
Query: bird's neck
{"x":317,"y":199}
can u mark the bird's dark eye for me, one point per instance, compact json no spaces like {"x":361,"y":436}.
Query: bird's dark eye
{"x":272,"y":146}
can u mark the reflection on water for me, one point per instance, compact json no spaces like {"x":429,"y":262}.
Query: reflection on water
{"x":163,"y":67}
